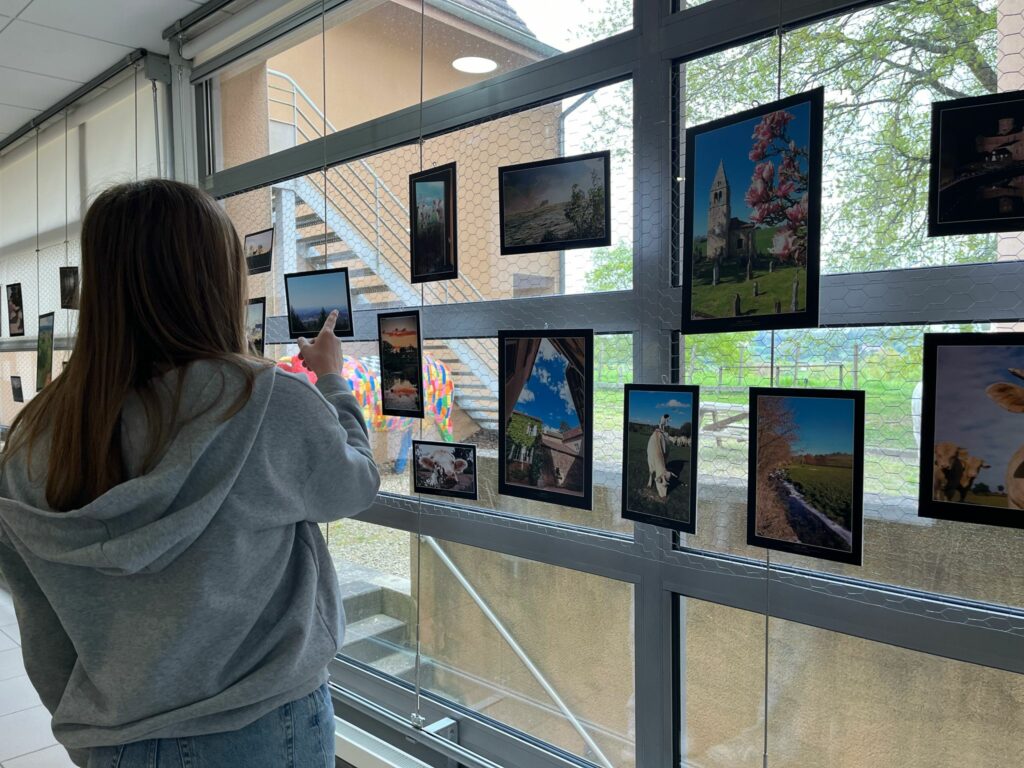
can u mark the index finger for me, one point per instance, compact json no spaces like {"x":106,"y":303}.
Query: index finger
{"x":330,"y":322}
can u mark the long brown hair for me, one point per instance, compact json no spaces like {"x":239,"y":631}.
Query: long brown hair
{"x":163,"y":285}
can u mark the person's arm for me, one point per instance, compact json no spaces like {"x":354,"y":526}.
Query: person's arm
{"x":344,"y":470}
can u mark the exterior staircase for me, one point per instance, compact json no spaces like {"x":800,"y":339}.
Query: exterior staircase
{"x":354,"y":220}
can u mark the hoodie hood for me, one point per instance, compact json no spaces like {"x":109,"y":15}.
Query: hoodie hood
{"x":147,"y":521}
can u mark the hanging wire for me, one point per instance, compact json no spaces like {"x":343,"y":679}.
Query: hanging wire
{"x":39,"y":285}
{"x":135,"y":96}
{"x":67,"y":244}
{"x":323,"y":145}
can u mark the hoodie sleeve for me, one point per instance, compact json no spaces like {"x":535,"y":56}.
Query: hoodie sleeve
{"x":344,"y":479}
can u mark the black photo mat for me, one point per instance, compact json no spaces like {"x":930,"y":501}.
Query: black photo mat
{"x":69,"y":287}
{"x":546,"y":416}
{"x":433,"y":225}
{"x":763,"y":224}
{"x":16,"y":391}
{"x":437,"y":470}
{"x":311,"y":296}
{"x":805,"y":487}
{"x":644,"y":415}
{"x":259,"y":251}
{"x":256,"y":324}
{"x":578,"y":217}
{"x":15,"y":310}
{"x":972,"y":441}
{"x":400,"y":345}
{"x":44,"y":351}
{"x":977,"y":160}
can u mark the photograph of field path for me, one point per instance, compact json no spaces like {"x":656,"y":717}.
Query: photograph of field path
{"x":806,"y":465}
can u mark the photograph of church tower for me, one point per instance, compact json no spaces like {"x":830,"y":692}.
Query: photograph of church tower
{"x":752,"y":213}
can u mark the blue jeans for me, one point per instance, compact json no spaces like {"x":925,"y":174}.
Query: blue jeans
{"x":299,"y":734}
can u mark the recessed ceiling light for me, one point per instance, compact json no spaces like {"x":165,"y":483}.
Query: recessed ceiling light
{"x":475,"y":65}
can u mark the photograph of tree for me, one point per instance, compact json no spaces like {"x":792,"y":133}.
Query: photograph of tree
{"x":555,"y":205}
{"x":977,"y":174}
{"x":545,"y":430}
{"x":806,"y":472}
{"x":44,"y":351}
{"x":660,"y":455}
{"x":972,"y":406}
{"x":255,"y":319}
{"x":432,"y":225}
{"x":16,"y":391}
{"x":15,"y":310}
{"x":401,"y":364}
{"x":311,"y":298}
{"x":259,"y":250}
{"x":753,"y":207}
{"x":69,"y":287}
{"x":444,"y":469}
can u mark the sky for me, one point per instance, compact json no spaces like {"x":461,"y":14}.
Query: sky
{"x":964,"y":413}
{"x":825,"y":425}
{"x":649,"y":407}
{"x":526,"y":189}
{"x":546,"y":394}
{"x":554,"y":23}
{"x":429,"y":191}
{"x":714,"y":146}
{"x":318,"y":290}
{"x":254,"y":315}
{"x":400,"y":331}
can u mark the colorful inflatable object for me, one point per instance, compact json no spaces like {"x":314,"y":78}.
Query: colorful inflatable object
{"x":365,"y":384}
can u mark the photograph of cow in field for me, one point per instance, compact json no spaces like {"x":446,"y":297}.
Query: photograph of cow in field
{"x":971,"y":419}
{"x":444,"y":469}
{"x":659,"y":455}
{"x":806,"y":466}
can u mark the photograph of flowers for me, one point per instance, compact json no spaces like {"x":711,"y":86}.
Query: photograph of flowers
{"x":752,"y":217}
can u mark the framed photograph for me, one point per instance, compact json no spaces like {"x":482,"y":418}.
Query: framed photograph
{"x":432,"y":225}
{"x":751,"y":218}
{"x":69,"y":287}
{"x":44,"y":351}
{"x":444,"y":469}
{"x":545,"y":429}
{"x":259,"y":251}
{"x":16,"y":390}
{"x":312,"y":295}
{"x":255,"y":322}
{"x":401,"y":363}
{"x":977,"y":162}
{"x":15,"y":310}
{"x":972,"y":414}
{"x":659,"y":455}
{"x":806,"y":472}
{"x":556,"y":205}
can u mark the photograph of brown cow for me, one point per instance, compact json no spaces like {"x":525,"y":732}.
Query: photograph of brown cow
{"x":972,"y":457}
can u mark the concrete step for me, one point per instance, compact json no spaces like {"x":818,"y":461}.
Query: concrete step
{"x":400,"y":664}
{"x":374,"y":637}
{"x":361,"y":600}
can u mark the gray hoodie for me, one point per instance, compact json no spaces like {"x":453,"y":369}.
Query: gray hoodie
{"x":199,"y":596}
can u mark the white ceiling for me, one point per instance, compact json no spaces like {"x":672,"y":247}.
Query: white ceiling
{"x":50,"y":47}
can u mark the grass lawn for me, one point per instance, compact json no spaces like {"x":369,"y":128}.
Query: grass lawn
{"x":827,"y":489}
{"x":717,"y":301}
{"x":988,"y":499}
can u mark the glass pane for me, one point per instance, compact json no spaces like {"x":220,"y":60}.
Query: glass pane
{"x":881,"y":68}
{"x":721,"y":667}
{"x":374,"y":564}
{"x":371,"y":52}
{"x":472,"y":365}
{"x":837,"y":701}
{"x":899,"y":547}
{"x":573,"y":630}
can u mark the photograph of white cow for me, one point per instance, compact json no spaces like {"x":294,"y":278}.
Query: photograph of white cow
{"x":659,"y":452}
{"x":444,"y":469}
{"x":972,"y":449}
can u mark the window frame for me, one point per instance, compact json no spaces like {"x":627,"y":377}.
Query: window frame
{"x":660,"y":40}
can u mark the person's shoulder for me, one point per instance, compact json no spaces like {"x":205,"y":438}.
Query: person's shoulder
{"x":297,"y":392}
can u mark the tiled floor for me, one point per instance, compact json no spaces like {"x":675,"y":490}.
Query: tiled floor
{"x":26,"y":740}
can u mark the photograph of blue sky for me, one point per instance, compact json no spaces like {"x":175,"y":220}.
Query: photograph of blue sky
{"x":429,"y":191}
{"x":965,"y":415}
{"x":649,"y":407}
{"x":546,"y":395}
{"x":824,"y":425}
{"x":319,"y":291}
{"x":549,"y":184}
{"x":732,"y":145}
